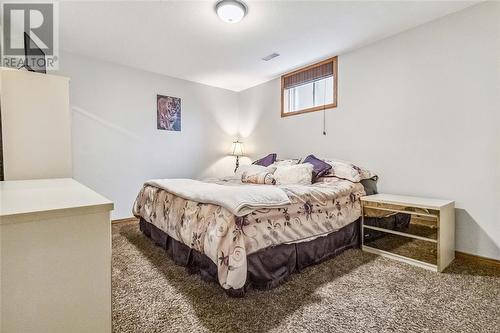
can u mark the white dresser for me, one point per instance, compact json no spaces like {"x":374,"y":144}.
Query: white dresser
{"x":35,"y":125}
{"x":427,"y":239}
{"x":55,"y":257}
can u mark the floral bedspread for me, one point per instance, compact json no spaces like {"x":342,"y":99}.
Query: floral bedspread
{"x":316,"y":210}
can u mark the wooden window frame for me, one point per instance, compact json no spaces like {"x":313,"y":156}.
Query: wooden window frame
{"x":333,"y":60}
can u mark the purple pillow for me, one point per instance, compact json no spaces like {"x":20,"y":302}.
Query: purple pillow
{"x":266,"y":161}
{"x":320,"y":167}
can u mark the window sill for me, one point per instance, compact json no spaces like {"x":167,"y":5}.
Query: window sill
{"x":313,"y":109}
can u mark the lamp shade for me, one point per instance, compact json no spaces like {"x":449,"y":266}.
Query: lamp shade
{"x":237,"y":148}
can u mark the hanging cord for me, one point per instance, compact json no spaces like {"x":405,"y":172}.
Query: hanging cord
{"x":324,"y":122}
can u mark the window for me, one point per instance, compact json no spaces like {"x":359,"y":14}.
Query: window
{"x":312,"y":88}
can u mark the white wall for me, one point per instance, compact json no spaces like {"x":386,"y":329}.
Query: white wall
{"x":420,"y":108}
{"x":116,"y":145}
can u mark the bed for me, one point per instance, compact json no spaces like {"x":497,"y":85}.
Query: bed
{"x":259,"y":246}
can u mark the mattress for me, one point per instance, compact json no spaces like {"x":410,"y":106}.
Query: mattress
{"x":316,"y":210}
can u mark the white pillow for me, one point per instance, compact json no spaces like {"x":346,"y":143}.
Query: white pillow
{"x":347,"y":170}
{"x":294,"y":174}
{"x":252,"y":169}
{"x":287,"y":162}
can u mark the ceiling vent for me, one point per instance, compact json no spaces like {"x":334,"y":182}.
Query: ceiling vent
{"x":271,"y":56}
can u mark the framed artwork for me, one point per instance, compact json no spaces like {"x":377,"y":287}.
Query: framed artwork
{"x":168,"y":111}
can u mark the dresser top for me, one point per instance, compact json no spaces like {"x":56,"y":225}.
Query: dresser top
{"x":21,"y":72}
{"x":47,"y":195}
{"x":407,"y":201}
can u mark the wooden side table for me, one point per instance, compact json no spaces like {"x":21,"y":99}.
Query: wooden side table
{"x":427,"y":241}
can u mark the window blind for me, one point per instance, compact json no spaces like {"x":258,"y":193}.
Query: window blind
{"x":309,"y":75}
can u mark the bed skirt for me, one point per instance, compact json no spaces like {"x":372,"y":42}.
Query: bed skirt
{"x":266,"y":268}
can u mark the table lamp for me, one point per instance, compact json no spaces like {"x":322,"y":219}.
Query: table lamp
{"x":237,"y":150}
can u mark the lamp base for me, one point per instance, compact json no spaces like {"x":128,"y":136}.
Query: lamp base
{"x":237,"y":163}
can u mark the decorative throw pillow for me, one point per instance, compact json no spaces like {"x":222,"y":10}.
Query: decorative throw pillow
{"x":265,"y":178}
{"x":370,"y":184}
{"x":286,"y":162}
{"x":266,"y":161}
{"x":347,"y":170}
{"x":252,"y":169}
{"x":294,"y":174}
{"x":319,"y":167}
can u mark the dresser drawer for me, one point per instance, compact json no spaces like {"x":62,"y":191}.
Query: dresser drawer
{"x":412,"y":248}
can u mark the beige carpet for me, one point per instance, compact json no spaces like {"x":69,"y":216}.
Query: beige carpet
{"x":355,"y":292}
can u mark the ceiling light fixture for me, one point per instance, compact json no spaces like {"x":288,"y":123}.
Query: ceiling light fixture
{"x":231,"y":11}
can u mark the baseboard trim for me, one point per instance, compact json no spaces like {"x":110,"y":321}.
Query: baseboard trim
{"x":124,"y":220}
{"x":476,"y":258}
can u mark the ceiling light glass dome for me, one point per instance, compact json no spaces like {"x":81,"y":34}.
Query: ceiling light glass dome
{"x":231,"y":11}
